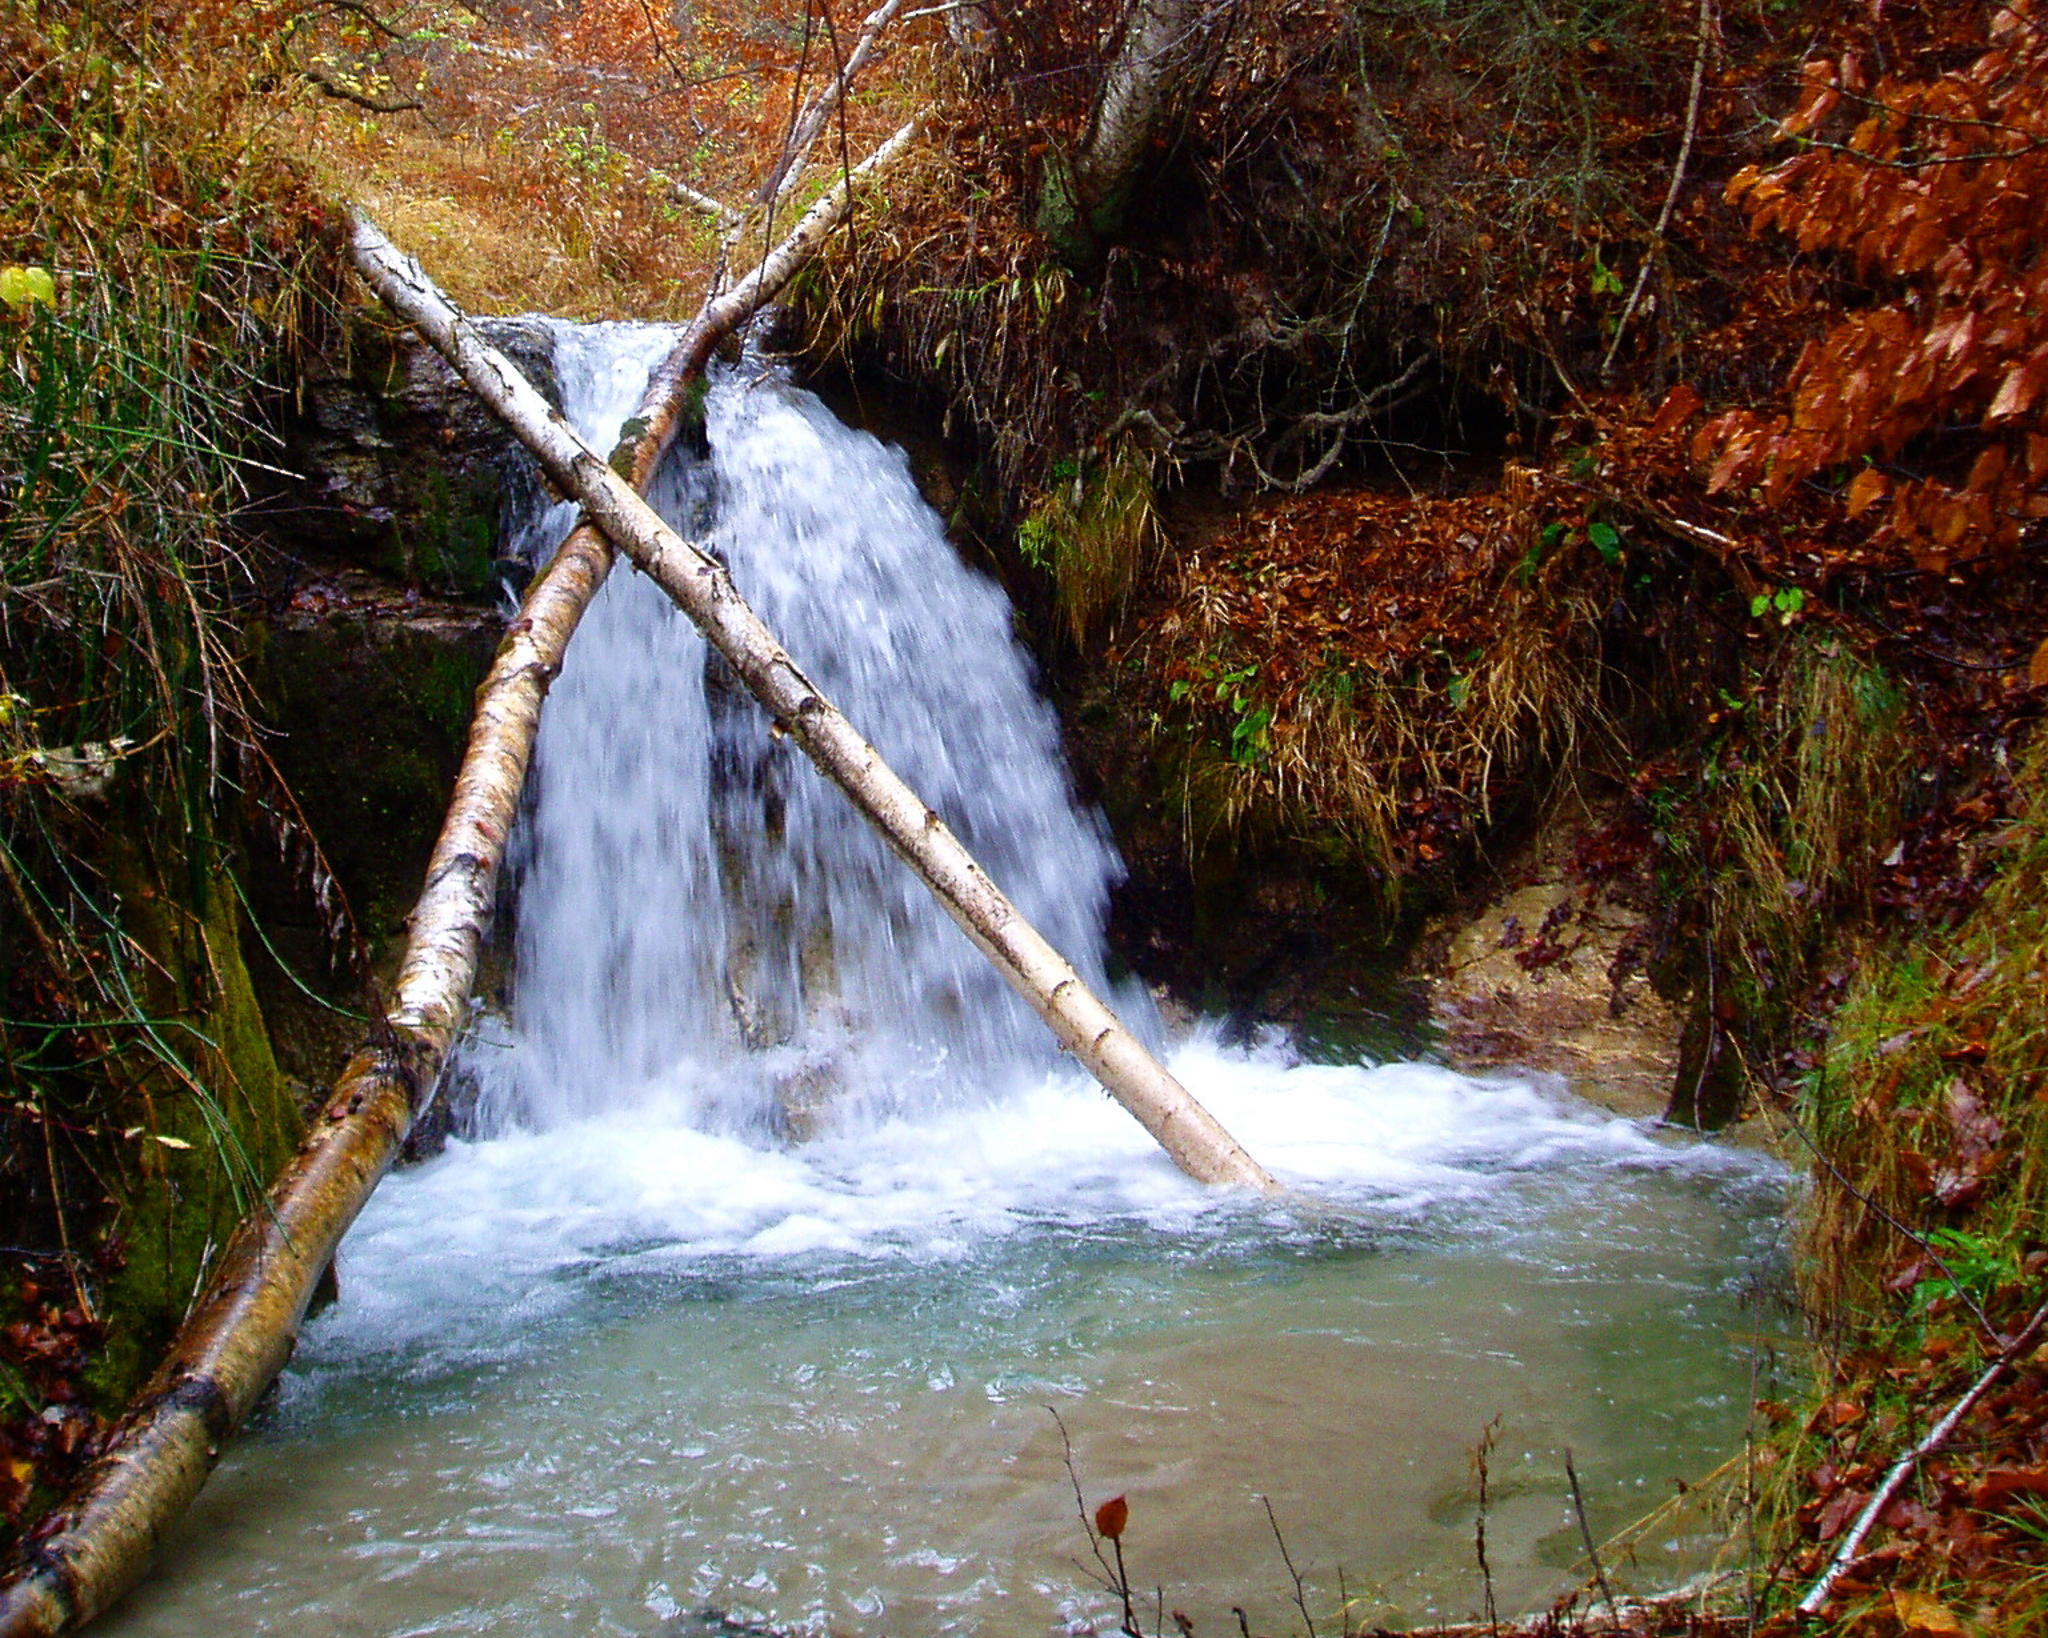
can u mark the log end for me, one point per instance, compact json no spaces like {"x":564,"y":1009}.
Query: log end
{"x":34,"y":1602}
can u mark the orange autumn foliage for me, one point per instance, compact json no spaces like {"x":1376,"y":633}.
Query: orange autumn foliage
{"x":1928,"y":406}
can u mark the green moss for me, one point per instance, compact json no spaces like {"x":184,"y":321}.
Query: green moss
{"x":458,"y":530}
{"x":444,"y":689}
{"x":690,"y":418}
{"x":206,"y":1118}
{"x":450,"y":549}
{"x":374,"y":718}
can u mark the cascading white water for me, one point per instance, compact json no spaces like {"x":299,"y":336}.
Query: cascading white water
{"x":703,"y":919}
{"x":623,"y":1361}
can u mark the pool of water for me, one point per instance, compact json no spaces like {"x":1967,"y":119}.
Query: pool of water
{"x":629,"y":1376}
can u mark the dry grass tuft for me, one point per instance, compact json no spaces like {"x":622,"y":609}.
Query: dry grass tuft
{"x":1371,"y":676}
{"x":1094,"y":533}
{"x":515,"y":228}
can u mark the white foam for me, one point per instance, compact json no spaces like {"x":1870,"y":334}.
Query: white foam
{"x":514,"y":1222}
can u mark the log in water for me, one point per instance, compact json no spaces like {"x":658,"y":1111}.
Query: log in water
{"x":777,"y":1226}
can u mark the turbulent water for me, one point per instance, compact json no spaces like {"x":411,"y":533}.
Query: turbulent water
{"x":702,"y":918}
{"x":781,"y":1232}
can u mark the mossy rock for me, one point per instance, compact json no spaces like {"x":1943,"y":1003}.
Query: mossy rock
{"x":205,"y":1119}
{"x":371,"y":711}
{"x":404,"y":472}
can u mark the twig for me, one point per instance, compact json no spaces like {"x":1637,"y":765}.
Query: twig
{"x":1692,"y":124}
{"x":1487,"y":1436}
{"x":1123,"y":1590}
{"x":1586,"y":1535}
{"x":804,"y":132}
{"x":355,"y":10}
{"x":1109,"y":1575}
{"x":1749,"y":1480}
{"x":660,"y":45}
{"x":339,"y":89}
{"x":1822,"y":1590}
{"x":1984,"y":156}
{"x":1287,"y":1558}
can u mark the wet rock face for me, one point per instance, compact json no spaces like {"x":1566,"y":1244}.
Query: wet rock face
{"x":395,"y":466}
{"x":1544,"y":974}
{"x":385,"y":610}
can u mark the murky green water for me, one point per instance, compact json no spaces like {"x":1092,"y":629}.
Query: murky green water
{"x":510,"y":1428}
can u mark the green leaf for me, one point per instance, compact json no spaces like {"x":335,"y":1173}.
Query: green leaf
{"x":1759,"y":605}
{"x":22,"y":287}
{"x":1606,"y":540}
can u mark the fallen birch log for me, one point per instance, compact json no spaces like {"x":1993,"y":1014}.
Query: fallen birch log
{"x":240,"y":1333}
{"x":804,"y":131}
{"x":1822,"y":1591}
{"x":701,"y":587}
{"x":97,"y":1544}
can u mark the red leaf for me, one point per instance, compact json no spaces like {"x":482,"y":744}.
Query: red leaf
{"x":1678,"y":407}
{"x":1111,"y":1517}
{"x":1843,"y":1506}
{"x":1866,"y":489}
{"x":2000,"y":1482}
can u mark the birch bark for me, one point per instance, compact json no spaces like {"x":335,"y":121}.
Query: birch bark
{"x":700,"y":586}
{"x":241,"y":1331}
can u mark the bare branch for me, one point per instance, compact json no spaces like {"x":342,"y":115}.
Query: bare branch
{"x":1708,"y":20}
{"x":333,"y":86}
{"x":1822,"y":1590}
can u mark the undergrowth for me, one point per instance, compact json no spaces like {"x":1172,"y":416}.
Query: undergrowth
{"x":1360,"y":211}
{"x":164,"y":268}
{"x":1768,"y":850}
{"x":1378,"y":681}
{"x":1925,"y":1246}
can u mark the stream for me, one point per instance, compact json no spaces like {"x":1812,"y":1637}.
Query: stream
{"x":784,"y":1276}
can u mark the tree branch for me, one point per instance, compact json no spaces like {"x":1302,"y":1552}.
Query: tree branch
{"x":338,"y":88}
{"x":1822,"y":1590}
{"x":1692,"y":125}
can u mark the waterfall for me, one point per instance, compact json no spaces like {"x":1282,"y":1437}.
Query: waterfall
{"x":700,"y":918}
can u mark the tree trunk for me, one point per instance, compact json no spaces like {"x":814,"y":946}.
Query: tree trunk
{"x":1083,"y":201}
{"x":701,"y":587}
{"x":240,"y":1333}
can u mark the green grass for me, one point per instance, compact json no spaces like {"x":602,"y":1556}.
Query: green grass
{"x":166,"y":269}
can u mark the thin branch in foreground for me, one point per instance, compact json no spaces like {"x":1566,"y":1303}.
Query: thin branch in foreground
{"x":1822,"y":1590}
{"x":1287,"y":1558}
{"x":1488,"y":1437}
{"x":1708,"y":18}
{"x":1586,"y":1533}
{"x":1108,"y":1576}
